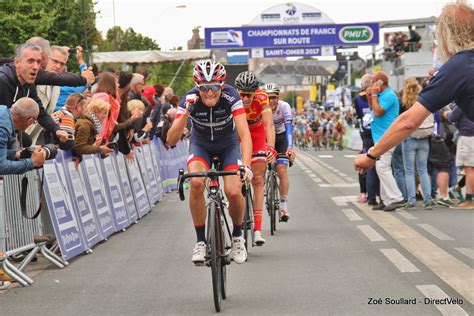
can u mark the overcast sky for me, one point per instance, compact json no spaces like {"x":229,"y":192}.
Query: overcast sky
{"x":170,"y":23}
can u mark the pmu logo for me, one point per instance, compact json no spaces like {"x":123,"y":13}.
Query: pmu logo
{"x":291,"y":9}
{"x":356,"y":34}
{"x":227,"y":38}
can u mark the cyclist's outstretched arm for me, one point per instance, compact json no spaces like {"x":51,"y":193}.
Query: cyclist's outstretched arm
{"x":176,"y":130}
{"x":245,"y":138}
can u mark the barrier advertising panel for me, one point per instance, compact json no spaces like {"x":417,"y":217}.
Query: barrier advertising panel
{"x":150,"y":170}
{"x":138,"y":189}
{"x":114,"y":195}
{"x":64,"y":222}
{"x":143,"y":171}
{"x":121,"y":169}
{"x":96,"y":196}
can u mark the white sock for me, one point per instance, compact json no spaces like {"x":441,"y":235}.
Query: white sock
{"x":284,"y":202}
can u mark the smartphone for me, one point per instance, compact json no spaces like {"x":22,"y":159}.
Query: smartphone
{"x":113,"y":146}
{"x":72,"y":50}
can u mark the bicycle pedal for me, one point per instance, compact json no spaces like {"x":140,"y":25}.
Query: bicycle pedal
{"x":199,"y":263}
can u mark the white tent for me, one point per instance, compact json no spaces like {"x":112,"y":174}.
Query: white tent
{"x":150,"y":56}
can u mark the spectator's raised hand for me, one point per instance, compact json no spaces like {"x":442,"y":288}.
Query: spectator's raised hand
{"x":89,"y":75}
{"x":80,"y":55}
{"x":105,"y":150}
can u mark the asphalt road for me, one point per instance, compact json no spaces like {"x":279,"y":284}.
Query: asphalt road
{"x":334,"y":257}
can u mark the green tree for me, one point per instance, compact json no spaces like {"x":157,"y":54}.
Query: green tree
{"x":117,"y":39}
{"x":164,"y":73}
{"x":60,"y":22}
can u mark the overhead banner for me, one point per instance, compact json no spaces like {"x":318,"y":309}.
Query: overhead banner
{"x":293,"y":36}
{"x":292,"y":52}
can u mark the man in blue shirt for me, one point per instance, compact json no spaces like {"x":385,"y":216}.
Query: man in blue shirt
{"x":22,"y":114}
{"x":385,"y":107}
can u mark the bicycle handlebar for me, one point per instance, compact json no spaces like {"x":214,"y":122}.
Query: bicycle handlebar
{"x":208,"y":174}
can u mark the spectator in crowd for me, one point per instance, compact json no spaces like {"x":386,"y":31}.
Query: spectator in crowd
{"x":65,"y":91}
{"x":57,"y":79}
{"x":156,"y":113}
{"x":365,"y":115}
{"x":167,"y":95}
{"x":441,"y":158}
{"x":136,"y":86}
{"x":143,"y":70}
{"x":465,"y":151}
{"x":416,"y":148}
{"x":124,"y":120}
{"x":49,"y":94}
{"x":414,"y":40}
{"x":21,"y":115}
{"x":455,"y":33}
{"x":17,"y":80}
{"x":385,"y":107}
{"x":90,"y":126}
{"x":107,"y":90}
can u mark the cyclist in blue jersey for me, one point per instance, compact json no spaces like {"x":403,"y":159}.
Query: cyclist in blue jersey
{"x":218,"y":122}
{"x":282,"y":119}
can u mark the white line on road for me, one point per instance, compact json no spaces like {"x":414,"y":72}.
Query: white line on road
{"x":406,"y":215}
{"x":308,"y":171}
{"x":343,"y":200}
{"x":325,"y":156}
{"x":370,"y":233}
{"x":351,"y":214}
{"x":399,"y":260}
{"x":350,"y":156}
{"x":312,"y":175}
{"x":342,"y":174}
{"x":468,"y":252}
{"x":339,"y":185}
{"x":432,"y":291}
{"x":317,"y":180}
{"x":435,"y":232}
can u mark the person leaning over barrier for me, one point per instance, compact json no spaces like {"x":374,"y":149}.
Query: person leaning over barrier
{"x":22,"y":114}
{"x":453,"y":82}
{"x":88,"y":127}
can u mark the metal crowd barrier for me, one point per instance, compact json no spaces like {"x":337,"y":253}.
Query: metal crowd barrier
{"x":82,"y":207}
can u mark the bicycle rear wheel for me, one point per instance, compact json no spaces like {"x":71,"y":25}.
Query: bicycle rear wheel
{"x":247,"y":226}
{"x":215,"y":237}
{"x":271,"y":203}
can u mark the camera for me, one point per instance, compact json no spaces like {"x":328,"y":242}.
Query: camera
{"x":113,"y":145}
{"x":50,"y":150}
{"x":72,"y":50}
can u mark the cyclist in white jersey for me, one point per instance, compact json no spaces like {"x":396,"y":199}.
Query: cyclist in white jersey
{"x":282,"y":119}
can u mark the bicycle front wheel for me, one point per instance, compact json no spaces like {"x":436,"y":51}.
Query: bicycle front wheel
{"x":271,"y":204}
{"x":216,"y":243}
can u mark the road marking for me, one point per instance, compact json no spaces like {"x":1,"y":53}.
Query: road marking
{"x":342,"y":174}
{"x":399,"y":260}
{"x":339,"y":185}
{"x":343,"y":200}
{"x":468,"y":252}
{"x":435,"y":232}
{"x":432,"y":291}
{"x":351,"y":214}
{"x":448,"y":268}
{"x":350,"y":156}
{"x":320,"y":170}
{"x":370,"y":233}
{"x":317,"y":180}
{"x":312,"y":175}
{"x":349,"y":179}
{"x":406,"y":215}
{"x":308,"y":171}
{"x":325,"y":156}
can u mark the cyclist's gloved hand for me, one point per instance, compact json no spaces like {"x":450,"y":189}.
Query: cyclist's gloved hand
{"x":191,"y":99}
{"x":248,"y":174}
{"x":271,"y":154}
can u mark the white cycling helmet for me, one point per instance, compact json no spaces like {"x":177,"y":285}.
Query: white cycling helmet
{"x":272,"y":89}
{"x":209,"y":71}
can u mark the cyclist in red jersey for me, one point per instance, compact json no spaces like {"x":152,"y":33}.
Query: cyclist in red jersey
{"x":262,"y":130}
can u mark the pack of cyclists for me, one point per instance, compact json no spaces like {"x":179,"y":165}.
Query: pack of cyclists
{"x":243,"y":125}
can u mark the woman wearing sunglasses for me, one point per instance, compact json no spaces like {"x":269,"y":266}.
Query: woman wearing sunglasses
{"x":218,"y":122}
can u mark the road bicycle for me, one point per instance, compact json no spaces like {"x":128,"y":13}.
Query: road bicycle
{"x":272,"y":195}
{"x":248,"y":224}
{"x":218,"y":234}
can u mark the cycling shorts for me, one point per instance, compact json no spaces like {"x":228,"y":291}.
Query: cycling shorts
{"x":281,"y":146}
{"x":227,"y":151}
{"x":259,"y":145}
